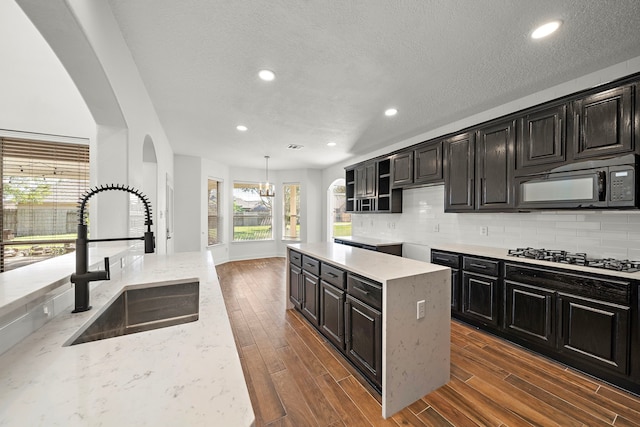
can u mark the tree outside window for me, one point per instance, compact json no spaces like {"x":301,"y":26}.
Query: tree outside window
{"x":291,"y":209}
{"x":252,"y":214}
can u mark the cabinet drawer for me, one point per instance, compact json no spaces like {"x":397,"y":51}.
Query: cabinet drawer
{"x":295,"y":258}
{"x":480,"y":265}
{"x":333,"y":275}
{"x":365,"y":290}
{"x":444,"y":258}
{"x":311,"y":265}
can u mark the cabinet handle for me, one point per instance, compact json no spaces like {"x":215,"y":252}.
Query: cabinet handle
{"x":478,"y":265}
{"x":361,"y":290}
{"x":310,"y":264}
{"x":440,"y":259}
{"x":332,"y":275}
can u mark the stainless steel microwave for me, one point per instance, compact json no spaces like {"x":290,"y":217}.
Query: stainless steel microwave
{"x":610,"y":183}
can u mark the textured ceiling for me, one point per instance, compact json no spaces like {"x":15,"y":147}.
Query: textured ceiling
{"x":340,"y":64}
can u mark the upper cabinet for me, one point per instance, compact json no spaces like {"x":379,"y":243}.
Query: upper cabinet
{"x":459,"y":167}
{"x":428,"y":163}
{"x":402,"y":167}
{"x":370,"y":184}
{"x":602,"y":123}
{"x":366,"y":180}
{"x":541,"y":139}
{"x":494,"y":166}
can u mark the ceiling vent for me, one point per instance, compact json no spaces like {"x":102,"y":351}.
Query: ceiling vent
{"x":294,"y":147}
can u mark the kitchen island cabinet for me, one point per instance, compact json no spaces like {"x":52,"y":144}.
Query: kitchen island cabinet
{"x":188,"y":374}
{"x":414,"y":354}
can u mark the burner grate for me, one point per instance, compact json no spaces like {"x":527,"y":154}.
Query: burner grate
{"x":579,"y":258}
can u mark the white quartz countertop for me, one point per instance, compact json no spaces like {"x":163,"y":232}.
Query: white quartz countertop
{"x":22,"y":285}
{"x":501,"y":253}
{"x":187,"y":375}
{"x":374,"y":265}
{"x":370,"y":241}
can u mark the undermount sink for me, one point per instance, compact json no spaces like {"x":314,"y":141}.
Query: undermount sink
{"x":142,"y":309}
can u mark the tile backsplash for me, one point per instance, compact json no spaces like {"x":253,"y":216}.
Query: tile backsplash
{"x":424,"y":223}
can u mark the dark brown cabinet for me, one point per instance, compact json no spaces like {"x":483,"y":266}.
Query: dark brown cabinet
{"x":541,"y":139}
{"x":295,"y":285}
{"x":364,"y":338}
{"x":350,"y":190}
{"x":480,"y":290}
{"x":402,"y":169}
{"x":452,"y":261}
{"x":602,"y":123}
{"x":428,"y":163}
{"x":494,"y":166}
{"x":595,"y":332}
{"x":369,"y":188}
{"x":365,"y":176}
{"x":530,"y":312}
{"x":310,"y":297}
{"x":332,"y":310}
{"x":459,"y":169}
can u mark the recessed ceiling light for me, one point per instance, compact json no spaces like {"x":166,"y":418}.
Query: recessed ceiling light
{"x":242,"y":128}
{"x":267,"y":75}
{"x":391,"y":112}
{"x":331,"y":144}
{"x":546,"y":29}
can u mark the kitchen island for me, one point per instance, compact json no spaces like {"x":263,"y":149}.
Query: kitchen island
{"x":415,"y":352}
{"x":188,"y":374}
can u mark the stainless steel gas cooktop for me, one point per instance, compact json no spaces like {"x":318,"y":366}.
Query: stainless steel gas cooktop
{"x":564,"y":257}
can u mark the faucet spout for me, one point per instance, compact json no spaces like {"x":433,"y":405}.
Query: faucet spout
{"x":82,"y":277}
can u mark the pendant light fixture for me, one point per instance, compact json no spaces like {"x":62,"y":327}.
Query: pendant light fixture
{"x":267,"y":189}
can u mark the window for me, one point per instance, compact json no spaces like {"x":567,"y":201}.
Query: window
{"x":339,"y":218}
{"x":213,"y":218}
{"x":252,"y":214}
{"x":41,"y":185}
{"x":291,"y":209}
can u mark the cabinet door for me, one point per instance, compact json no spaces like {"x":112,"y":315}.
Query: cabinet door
{"x":541,"y":140}
{"x":602,"y":123}
{"x":494,"y":166}
{"x":459,"y":152}
{"x":428,"y":163}
{"x":455,"y":290}
{"x":480,"y":298}
{"x":295,"y":285}
{"x":402,"y":169}
{"x":310,"y":300}
{"x":595,"y":332}
{"x":361,"y":181}
{"x":332,"y":313}
{"x":363,"y":338}
{"x":529,"y":313}
{"x":370,"y":180}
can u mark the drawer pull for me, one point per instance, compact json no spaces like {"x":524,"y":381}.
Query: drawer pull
{"x":440,"y":259}
{"x":310,"y":264}
{"x":477,"y":265}
{"x":332,"y":274}
{"x":361,"y":290}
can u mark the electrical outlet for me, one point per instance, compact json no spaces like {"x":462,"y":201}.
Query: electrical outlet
{"x":420,"y":309}
{"x":436,"y":228}
{"x":484,"y":230}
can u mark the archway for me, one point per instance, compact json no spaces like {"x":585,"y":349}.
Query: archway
{"x":338,"y":219}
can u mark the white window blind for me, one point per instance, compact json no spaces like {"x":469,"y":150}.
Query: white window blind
{"x":41,"y":185}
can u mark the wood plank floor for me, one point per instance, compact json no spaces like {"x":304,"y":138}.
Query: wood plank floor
{"x":295,"y":378}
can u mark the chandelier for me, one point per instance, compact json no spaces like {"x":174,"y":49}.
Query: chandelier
{"x":267,"y":189}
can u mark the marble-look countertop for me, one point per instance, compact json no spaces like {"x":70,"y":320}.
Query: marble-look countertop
{"x":22,"y":285}
{"x":374,"y":265}
{"x":501,"y":253}
{"x":188,"y":374}
{"x":369,"y":241}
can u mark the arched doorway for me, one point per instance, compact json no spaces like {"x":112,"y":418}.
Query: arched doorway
{"x":339,"y":220}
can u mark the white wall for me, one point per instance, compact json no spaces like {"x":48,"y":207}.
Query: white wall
{"x":599,"y":234}
{"x":37,"y":94}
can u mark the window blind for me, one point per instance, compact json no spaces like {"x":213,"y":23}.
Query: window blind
{"x":41,"y":185}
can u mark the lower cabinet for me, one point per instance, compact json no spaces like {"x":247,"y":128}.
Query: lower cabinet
{"x":529,"y":313}
{"x":295,"y":285}
{"x":480,"y":298}
{"x":364,"y":338}
{"x":452,"y":261}
{"x":310,"y":297}
{"x":595,"y":332}
{"x":332,"y":313}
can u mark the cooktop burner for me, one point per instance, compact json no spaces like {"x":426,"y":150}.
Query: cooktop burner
{"x":579,"y":258}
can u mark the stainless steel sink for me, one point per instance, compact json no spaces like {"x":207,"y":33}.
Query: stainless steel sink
{"x":142,"y":309}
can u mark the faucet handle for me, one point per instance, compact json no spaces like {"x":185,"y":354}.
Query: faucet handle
{"x":106,"y":267}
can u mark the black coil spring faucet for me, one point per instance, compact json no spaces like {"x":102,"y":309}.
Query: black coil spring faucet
{"x":82,"y":277}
